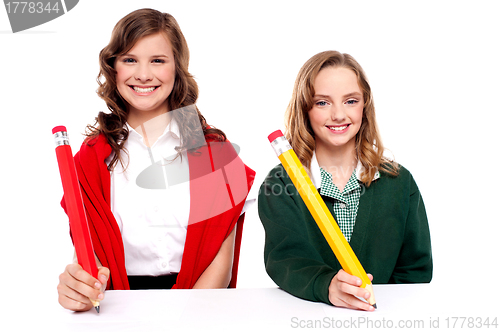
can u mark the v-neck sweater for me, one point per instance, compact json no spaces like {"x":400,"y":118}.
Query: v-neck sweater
{"x":391,"y":235}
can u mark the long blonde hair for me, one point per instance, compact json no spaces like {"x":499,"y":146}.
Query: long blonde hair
{"x":369,"y":147}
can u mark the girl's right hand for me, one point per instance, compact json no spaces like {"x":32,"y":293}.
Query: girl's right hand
{"x":76,"y":287}
{"x":343,"y":290}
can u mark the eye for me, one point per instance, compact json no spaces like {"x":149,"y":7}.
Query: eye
{"x":321,"y":103}
{"x":128,"y":60}
{"x":351,"y":101}
{"x":158,"y":61}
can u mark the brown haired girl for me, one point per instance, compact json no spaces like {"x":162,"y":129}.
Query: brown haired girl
{"x":164,"y":192}
{"x":331,"y":126}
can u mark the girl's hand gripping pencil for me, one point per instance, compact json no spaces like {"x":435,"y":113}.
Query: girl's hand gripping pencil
{"x":319,"y":211}
{"x":74,"y":203}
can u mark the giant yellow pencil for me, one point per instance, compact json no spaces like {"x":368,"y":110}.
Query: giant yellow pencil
{"x":319,"y":211}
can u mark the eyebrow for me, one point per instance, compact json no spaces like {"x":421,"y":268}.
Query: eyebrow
{"x":351,"y":94}
{"x":153,"y":56}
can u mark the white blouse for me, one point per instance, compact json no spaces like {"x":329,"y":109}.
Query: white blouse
{"x":153,"y":222}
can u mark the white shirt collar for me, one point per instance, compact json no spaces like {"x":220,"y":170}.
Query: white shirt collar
{"x":172,"y":129}
{"x":316,"y":173}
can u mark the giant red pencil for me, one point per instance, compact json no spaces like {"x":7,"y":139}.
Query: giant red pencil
{"x":74,"y":204}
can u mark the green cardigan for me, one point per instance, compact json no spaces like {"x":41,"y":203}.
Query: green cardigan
{"x":391,"y":236}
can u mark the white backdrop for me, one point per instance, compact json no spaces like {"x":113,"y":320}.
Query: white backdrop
{"x":433,"y":67}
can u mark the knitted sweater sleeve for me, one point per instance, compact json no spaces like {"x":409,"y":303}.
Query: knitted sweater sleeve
{"x":414,"y":264}
{"x":290,"y":256}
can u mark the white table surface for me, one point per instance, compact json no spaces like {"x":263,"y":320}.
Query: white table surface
{"x":273,"y":309}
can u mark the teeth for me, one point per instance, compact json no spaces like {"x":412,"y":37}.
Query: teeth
{"x":141,"y":90}
{"x":337,"y":128}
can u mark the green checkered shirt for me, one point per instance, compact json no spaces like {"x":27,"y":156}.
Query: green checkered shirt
{"x":346,"y":203}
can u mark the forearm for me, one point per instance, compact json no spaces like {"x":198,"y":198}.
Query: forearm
{"x":302,"y":277}
{"x":218,"y":273}
{"x":292,"y":261}
{"x":294,"y":248}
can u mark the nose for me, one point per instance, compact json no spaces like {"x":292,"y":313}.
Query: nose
{"x":143,"y":73}
{"x":337,"y":113}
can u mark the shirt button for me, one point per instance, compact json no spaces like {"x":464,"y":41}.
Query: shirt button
{"x":342,"y":205}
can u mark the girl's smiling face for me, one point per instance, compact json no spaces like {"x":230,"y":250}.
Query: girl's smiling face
{"x":145,"y":76}
{"x":337,"y":111}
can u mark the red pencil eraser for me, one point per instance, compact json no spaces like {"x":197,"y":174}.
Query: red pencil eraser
{"x":58,"y":128}
{"x":275,"y":135}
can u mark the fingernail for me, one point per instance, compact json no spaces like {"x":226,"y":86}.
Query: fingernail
{"x":101,"y":296}
{"x":97,"y":285}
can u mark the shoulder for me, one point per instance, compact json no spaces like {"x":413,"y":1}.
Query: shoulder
{"x":273,"y":178}
{"x":277,"y":174}
{"x":95,"y":146}
{"x":278,"y":184}
{"x":213,"y":134}
{"x":403,"y":180}
{"x":402,"y":171}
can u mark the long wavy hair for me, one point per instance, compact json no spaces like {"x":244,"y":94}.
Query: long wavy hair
{"x":127,"y":32}
{"x":369,"y":147}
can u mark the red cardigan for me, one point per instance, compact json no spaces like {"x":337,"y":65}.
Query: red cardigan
{"x":219,"y":185}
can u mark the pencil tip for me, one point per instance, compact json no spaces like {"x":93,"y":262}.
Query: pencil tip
{"x":97,"y":309}
{"x":374,"y":305}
